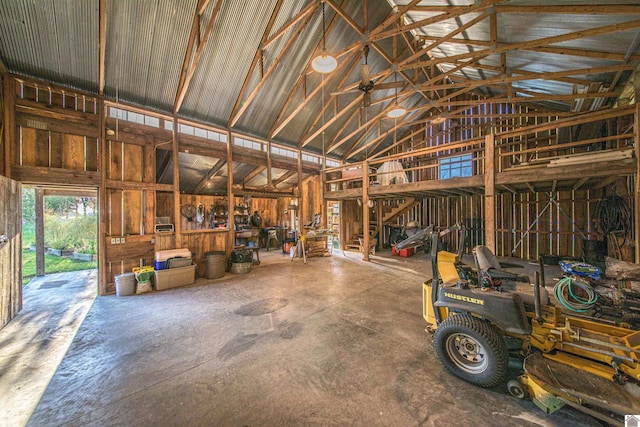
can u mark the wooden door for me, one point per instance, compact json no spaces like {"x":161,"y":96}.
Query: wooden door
{"x":10,"y":249}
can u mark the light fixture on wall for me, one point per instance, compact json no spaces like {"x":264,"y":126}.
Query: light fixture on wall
{"x":397,"y":111}
{"x":324,"y":63}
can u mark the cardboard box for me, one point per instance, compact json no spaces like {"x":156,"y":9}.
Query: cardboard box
{"x":406,"y":253}
{"x":175,"y":277}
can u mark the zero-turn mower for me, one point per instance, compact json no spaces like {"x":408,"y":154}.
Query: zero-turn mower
{"x":568,"y":359}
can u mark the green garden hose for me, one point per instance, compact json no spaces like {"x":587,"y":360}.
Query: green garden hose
{"x":565,"y":295}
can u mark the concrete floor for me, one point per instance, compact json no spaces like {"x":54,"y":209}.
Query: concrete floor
{"x":34,"y":343}
{"x":333,"y":342}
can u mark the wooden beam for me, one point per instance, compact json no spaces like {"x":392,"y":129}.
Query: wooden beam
{"x":489,"y":193}
{"x":230,"y":197}
{"x":394,"y":16}
{"x":238,"y":112}
{"x":365,"y":210}
{"x":102,"y":42}
{"x":322,"y":128}
{"x":176,"y":184}
{"x":452,"y":12}
{"x":293,"y":21}
{"x":8,"y":123}
{"x":191,"y":69}
{"x":582,"y":9}
{"x":580,"y":183}
{"x":509,"y":188}
{"x":257,"y":171}
{"x":283,"y":178}
{"x":102,"y":201}
{"x":439,"y":40}
{"x":636,"y":134}
{"x":214,"y":170}
{"x":257,"y":56}
{"x":607,"y":29}
{"x":344,"y":15}
{"x":541,"y":76}
{"x":318,"y":89}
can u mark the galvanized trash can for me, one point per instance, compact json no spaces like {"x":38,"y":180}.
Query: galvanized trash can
{"x":215,"y":265}
{"x":125,"y":284}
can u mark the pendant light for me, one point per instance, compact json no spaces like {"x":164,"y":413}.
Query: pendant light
{"x":397,"y":111}
{"x":324,"y":63}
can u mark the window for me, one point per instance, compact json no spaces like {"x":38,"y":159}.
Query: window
{"x":284,"y":152}
{"x":332,"y":163}
{"x":310,"y":158}
{"x":456,"y":167}
{"x":133,"y":117}
{"x":246,"y":143}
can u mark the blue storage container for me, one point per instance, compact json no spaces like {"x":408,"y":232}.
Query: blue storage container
{"x":159,"y":265}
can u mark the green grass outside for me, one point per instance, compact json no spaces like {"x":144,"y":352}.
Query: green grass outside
{"x":52,"y":264}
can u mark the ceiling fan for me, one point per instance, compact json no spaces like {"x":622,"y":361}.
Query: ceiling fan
{"x":366,"y":85}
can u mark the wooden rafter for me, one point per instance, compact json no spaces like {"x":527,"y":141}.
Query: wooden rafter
{"x":607,"y":29}
{"x":452,"y":12}
{"x":571,"y":10}
{"x":541,"y":76}
{"x":283,"y":178}
{"x":293,"y":21}
{"x":214,"y":170}
{"x":567,"y":51}
{"x":102,"y":44}
{"x":438,"y":41}
{"x":191,"y":60}
{"x":257,"y":56}
{"x":244,"y":103}
{"x":257,"y":171}
{"x":332,"y":120}
{"x":281,"y":124}
{"x":344,"y":15}
{"x":364,"y":126}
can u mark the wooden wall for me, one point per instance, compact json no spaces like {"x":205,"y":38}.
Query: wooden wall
{"x":11,"y":250}
{"x":66,"y":138}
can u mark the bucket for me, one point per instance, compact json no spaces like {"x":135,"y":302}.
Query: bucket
{"x":125,"y":284}
{"x":240,"y":267}
{"x":215,"y":265}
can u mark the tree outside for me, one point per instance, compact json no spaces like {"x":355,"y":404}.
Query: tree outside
{"x":70,"y":224}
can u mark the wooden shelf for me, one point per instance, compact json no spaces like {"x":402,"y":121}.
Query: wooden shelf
{"x":205,"y":230}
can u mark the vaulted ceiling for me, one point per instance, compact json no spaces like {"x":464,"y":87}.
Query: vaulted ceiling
{"x":245,"y":65}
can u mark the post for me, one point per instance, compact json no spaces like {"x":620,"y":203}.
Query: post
{"x":103,"y":212}
{"x":231,"y":234}
{"x":365,"y":209}
{"x":9,"y":124}
{"x":176,"y":183}
{"x":636,"y":204}
{"x":39,"y":231}
{"x":489,"y":192}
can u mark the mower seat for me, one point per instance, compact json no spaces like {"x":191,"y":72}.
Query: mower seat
{"x":490,"y":267}
{"x":526,"y":293}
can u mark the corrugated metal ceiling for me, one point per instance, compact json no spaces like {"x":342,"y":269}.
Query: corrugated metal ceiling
{"x":146,"y":43}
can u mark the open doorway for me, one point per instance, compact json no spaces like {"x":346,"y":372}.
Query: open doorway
{"x":59,"y":231}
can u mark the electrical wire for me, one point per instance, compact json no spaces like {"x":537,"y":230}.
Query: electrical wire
{"x":564,"y":291}
{"x":613,"y":215}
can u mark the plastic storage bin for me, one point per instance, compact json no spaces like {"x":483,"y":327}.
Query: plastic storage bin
{"x":406,"y":253}
{"x":174,"y":277}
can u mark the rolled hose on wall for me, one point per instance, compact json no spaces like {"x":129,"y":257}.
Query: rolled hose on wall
{"x":565,"y":295}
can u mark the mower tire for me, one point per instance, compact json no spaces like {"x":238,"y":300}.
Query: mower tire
{"x":471,"y":349}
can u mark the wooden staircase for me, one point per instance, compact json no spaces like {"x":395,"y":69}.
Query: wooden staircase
{"x":401,"y":208}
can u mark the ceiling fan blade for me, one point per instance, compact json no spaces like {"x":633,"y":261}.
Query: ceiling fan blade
{"x":343,"y":92}
{"x":367,"y":99}
{"x":390,"y":85}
